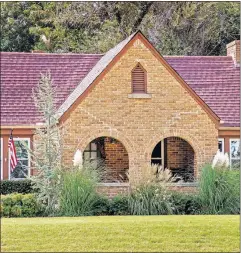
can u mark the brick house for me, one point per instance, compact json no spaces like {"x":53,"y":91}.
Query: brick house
{"x":128,"y":108}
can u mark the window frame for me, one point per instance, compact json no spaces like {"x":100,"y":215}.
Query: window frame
{"x":1,"y":154}
{"x":162,"y":154}
{"x":29,"y":162}
{"x":89,"y":150}
{"x":222,"y":140}
{"x":230,"y":155}
{"x":145,"y":80}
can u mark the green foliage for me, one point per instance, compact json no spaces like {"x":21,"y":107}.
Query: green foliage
{"x":219,"y":191}
{"x":15,"y":27}
{"x":20,"y":205}
{"x":78,"y":195}
{"x":101,"y":206}
{"x":150,"y":199}
{"x":119,"y":205}
{"x":175,"y":28}
{"x":184,"y":203}
{"x":47,"y":152}
{"x":17,"y":186}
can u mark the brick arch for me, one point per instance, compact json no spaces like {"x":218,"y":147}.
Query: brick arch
{"x":192,"y":141}
{"x":108,"y":133}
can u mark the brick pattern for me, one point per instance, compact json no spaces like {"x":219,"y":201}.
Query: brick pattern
{"x":113,"y":190}
{"x":180,"y":155}
{"x":233,"y":49}
{"x":138,"y":123}
{"x":116,"y":161}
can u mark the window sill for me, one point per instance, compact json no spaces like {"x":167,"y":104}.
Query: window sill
{"x":139,"y":95}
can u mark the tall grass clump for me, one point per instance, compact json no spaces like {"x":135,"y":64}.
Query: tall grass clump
{"x":78,"y":195}
{"x":151,"y":196}
{"x":150,"y":199}
{"x":219,"y":190}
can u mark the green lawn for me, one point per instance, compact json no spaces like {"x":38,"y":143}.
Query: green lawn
{"x":122,"y":234}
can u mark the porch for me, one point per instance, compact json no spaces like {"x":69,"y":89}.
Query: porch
{"x":110,"y":157}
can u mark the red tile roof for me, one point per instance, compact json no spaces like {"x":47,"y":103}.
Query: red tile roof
{"x":214,"y":79}
{"x":20,"y":72}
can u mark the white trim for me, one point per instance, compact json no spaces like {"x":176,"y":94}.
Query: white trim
{"x":1,"y":154}
{"x":222,"y":140}
{"x":230,"y":159}
{"x":9,"y":172}
{"x":229,"y":128}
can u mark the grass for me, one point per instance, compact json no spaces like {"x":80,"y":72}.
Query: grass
{"x":122,"y":234}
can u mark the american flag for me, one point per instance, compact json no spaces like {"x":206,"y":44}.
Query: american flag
{"x":12,"y":152}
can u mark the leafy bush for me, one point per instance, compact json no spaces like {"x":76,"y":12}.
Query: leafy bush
{"x":78,"y":194}
{"x":184,"y":203}
{"x":119,"y":205}
{"x":219,"y":191}
{"x":101,"y":206}
{"x":16,"y":186}
{"x":20,"y":205}
{"x":150,"y":199}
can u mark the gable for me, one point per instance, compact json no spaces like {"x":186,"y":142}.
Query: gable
{"x":106,"y":64}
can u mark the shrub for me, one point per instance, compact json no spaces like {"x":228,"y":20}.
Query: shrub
{"x":219,"y":191}
{"x":150,"y":199}
{"x":16,"y":186}
{"x":184,"y":203}
{"x":101,"y":206}
{"x":78,"y":194}
{"x":20,"y":205}
{"x":119,"y":205}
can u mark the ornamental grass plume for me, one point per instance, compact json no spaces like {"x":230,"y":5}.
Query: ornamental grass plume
{"x":78,"y":158}
{"x":220,"y":160}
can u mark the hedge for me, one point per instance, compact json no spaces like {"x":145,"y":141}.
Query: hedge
{"x":20,"y":205}
{"x":16,"y":186}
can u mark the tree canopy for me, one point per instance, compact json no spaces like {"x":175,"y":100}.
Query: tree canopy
{"x":174,"y":28}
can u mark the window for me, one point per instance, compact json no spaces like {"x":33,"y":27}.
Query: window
{"x":138,"y":76}
{"x":23,"y":167}
{"x":92,"y":154}
{"x":1,"y":157}
{"x":221,"y":144}
{"x":157,"y":156}
{"x":235,"y":153}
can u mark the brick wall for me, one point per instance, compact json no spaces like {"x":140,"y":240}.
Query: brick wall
{"x":111,"y":190}
{"x":140,"y":123}
{"x":180,"y":156}
{"x":116,"y":161}
{"x":233,"y":49}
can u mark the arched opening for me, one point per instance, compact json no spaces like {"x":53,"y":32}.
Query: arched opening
{"x":110,"y":155}
{"x":176,"y":154}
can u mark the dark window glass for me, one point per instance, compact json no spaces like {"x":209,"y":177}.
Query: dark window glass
{"x":157,"y":151}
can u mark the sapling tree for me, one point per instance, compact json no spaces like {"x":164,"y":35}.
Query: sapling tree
{"x":47,"y":151}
